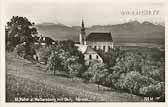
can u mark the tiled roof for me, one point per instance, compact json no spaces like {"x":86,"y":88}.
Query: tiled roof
{"x":99,"y":37}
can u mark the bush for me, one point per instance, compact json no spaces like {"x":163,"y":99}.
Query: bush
{"x":97,"y":73}
{"x":132,"y":81}
{"x":20,"y":50}
{"x":43,"y":53}
{"x":153,"y":90}
{"x":66,"y":61}
{"x":54,"y":62}
{"x":110,"y":57}
{"x":133,"y":71}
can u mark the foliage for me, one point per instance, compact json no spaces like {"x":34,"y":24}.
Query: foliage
{"x":97,"y":73}
{"x":19,"y":87}
{"x":43,"y":53}
{"x":54,"y":62}
{"x":153,"y":90}
{"x":20,"y":50}
{"x":68,"y":60}
{"x":136,"y":73}
{"x":132,"y":81}
{"x":132,"y":71}
{"x":110,"y":57}
{"x":19,"y":31}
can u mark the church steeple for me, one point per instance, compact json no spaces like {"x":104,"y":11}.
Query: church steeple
{"x":82,"y":34}
{"x":83,"y":27}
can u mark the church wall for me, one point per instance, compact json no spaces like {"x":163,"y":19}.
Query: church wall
{"x":94,"y":58}
{"x":100,"y":45}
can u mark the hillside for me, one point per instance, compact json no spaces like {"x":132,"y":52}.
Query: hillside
{"x":28,"y":80}
{"x":130,"y":32}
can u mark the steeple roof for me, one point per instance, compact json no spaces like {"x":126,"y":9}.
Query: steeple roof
{"x":83,"y":26}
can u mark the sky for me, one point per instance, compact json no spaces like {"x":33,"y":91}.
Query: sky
{"x":72,"y":12}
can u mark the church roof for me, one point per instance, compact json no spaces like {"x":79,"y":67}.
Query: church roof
{"x":81,"y":48}
{"x":89,"y":50}
{"x":99,"y":37}
{"x":85,"y":49}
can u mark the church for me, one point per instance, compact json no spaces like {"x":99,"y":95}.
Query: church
{"x":94,"y":41}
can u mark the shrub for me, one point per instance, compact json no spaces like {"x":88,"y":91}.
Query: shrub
{"x":43,"y":53}
{"x":153,"y":90}
{"x":54,"y":62}
{"x":20,"y":50}
{"x":133,"y":71}
{"x":97,"y":73}
{"x":132,"y":81}
{"x":65,"y":61}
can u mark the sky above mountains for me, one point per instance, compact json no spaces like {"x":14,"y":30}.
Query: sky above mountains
{"x":94,"y":13}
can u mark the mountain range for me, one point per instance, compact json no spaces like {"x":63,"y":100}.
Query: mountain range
{"x":130,"y":32}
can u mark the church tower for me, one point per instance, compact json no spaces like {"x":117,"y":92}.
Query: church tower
{"x":82,"y":34}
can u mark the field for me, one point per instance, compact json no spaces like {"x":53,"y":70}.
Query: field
{"x":26,"y":81}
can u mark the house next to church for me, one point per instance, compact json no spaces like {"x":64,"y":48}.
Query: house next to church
{"x":94,"y":41}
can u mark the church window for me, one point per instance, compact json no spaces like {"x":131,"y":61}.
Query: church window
{"x":89,"y":63}
{"x":108,"y":47}
{"x":104,"y":48}
{"x":95,"y":47}
{"x":97,"y":57}
{"x":90,"y":57}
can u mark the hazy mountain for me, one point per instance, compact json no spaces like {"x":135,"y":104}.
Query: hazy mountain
{"x":133,"y":31}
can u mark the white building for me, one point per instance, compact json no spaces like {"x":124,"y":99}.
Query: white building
{"x":94,"y":41}
{"x":99,"y":40}
{"x":90,"y":55}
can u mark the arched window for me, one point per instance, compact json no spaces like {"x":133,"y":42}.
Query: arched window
{"x":97,"y":57}
{"x":109,"y":48}
{"x":95,"y":47}
{"x":90,"y":57}
{"x":104,"y":47}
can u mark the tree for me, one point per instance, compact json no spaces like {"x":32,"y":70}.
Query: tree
{"x":20,"y":50}
{"x":132,"y":71}
{"x":110,"y":57}
{"x":153,"y":90}
{"x":129,"y":61}
{"x":19,"y":31}
{"x":74,"y":69}
{"x":132,"y":81}
{"x":112,"y":77}
{"x":97,"y":73}
{"x":54,"y":62}
{"x":43,"y":53}
{"x":66,"y":61}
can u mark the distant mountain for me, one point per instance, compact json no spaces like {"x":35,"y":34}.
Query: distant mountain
{"x":46,"y":23}
{"x":133,"y":31}
{"x":57,"y":31}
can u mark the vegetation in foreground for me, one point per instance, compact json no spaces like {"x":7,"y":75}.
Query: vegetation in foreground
{"x":33,"y":80}
{"x":24,"y":90}
{"x":134,"y":71}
